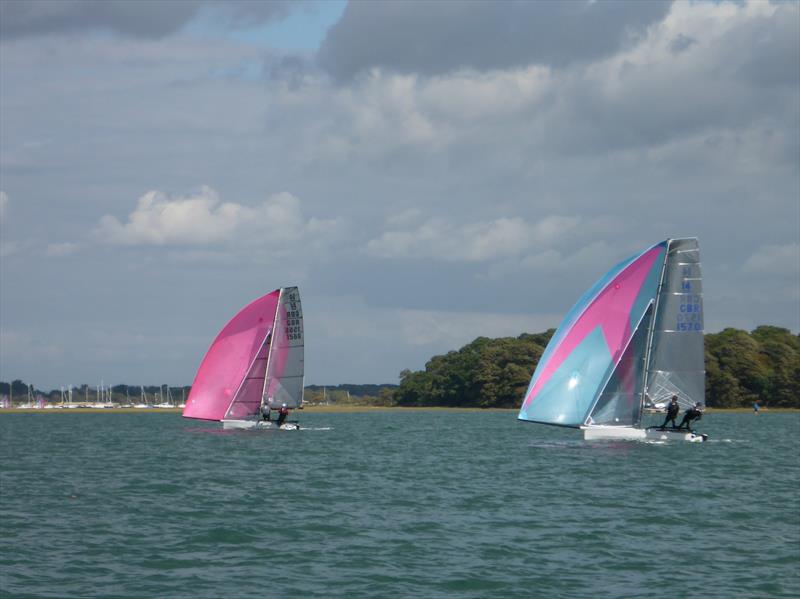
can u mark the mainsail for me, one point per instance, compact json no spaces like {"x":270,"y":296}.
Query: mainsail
{"x":285,"y":369}
{"x":258,"y":351}
{"x":676,"y":357}
{"x":618,"y":345}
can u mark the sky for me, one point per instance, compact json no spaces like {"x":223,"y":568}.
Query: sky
{"x":425,"y":172}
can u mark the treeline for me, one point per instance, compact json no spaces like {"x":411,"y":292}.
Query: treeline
{"x":741,"y":367}
{"x":350,"y":394}
{"x":763,"y":365}
{"x":352,"y":389}
{"x":487,"y":373}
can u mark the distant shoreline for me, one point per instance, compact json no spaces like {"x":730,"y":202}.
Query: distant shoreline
{"x":339,"y":409}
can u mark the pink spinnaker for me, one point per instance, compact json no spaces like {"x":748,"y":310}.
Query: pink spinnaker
{"x":610,"y":311}
{"x":225,"y":366}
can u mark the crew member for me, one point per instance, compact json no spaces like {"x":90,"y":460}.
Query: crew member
{"x":672,"y":412}
{"x":693,"y":413}
{"x":282,"y":414}
{"x":265,"y":411}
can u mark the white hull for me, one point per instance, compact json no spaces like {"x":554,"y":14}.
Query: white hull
{"x":258,"y":425}
{"x":626,"y":433}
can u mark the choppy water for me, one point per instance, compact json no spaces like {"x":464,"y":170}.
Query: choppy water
{"x":389,"y":504}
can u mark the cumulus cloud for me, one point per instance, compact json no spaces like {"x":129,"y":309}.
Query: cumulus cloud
{"x":127,"y":17}
{"x":775,"y":259}
{"x":438,"y":238}
{"x":683,"y":80}
{"x":202,"y":219}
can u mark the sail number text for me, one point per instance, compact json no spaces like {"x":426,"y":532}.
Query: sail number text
{"x":294,"y":327}
{"x":690,"y":313}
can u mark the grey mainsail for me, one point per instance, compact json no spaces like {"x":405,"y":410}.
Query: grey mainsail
{"x":676,"y":354}
{"x":285,"y":365}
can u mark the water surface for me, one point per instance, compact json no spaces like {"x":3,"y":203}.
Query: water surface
{"x":394,"y":504}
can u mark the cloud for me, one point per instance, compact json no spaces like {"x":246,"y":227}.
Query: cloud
{"x":682,"y":80}
{"x":7,"y":248}
{"x":415,"y":185}
{"x":432,"y":38}
{"x":61,"y":249}
{"x":348,"y":316}
{"x":158,"y":220}
{"x":128,"y":17}
{"x":3,"y":206}
{"x":439,"y":239}
{"x":201,"y":219}
{"x":775,"y":260}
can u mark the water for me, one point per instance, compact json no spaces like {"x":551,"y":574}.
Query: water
{"x":394,"y":504}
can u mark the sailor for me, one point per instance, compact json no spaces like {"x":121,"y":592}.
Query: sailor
{"x":282,"y":414}
{"x":672,"y":412}
{"x":265,"y":411}
{"x":693,"y":413}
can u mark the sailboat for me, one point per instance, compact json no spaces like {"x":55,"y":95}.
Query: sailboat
{"x":632,"y":341}
{"x":256,"y":360}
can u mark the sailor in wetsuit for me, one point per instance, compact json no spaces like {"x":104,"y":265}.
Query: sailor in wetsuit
{"x":282,"y":414}
{"x":265,"y":411}
{"x":672,"y":412}
{"x":693,"y":413}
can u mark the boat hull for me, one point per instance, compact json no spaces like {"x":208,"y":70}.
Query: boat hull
{"x":264,"y":425}
{"x":626,"y":433}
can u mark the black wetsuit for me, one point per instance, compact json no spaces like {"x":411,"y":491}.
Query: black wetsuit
{"x":688,"y":416}
{"x":672,"y":414}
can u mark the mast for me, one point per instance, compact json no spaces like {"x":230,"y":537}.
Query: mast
{"x":650,"y":331}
